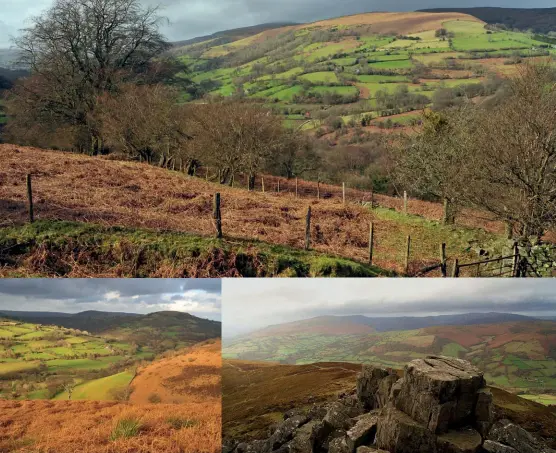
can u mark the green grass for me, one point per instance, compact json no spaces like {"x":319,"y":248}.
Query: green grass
{"x":99,"y":389}
{"x":252,"y":258}
{"x":126,"y":428}
{"x":9,"y":368}
{"x":320,"y":77}
{"x":453,"y":349}
{"x":381,"y":79}
{"x":399,"y":64}
{"x":343,"y":90}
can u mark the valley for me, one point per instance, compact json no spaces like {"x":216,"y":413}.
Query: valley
{"x":359,"y":71}
{"x":518,"y":356}
{"x":112,"y":415}
{"x":49,"y":361}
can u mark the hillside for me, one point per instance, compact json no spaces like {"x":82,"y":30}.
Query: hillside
{"x":193,"y":375}
{"x":131,"y":218}
{"x":517,"y":355}
{"x":540,"y":20}
{"x":164,"y":410}
{"x":160,"y":330}
{"x":364,"y":324}
{"x":38,"y":361}
{"x":363,"y":69}
{"x":256,"y":395}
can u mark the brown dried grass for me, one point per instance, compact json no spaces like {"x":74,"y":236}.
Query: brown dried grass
{"x":107,"y":192}
{"x":86,"y":426}
{"x":398,"y":23}
{"x":194,"y":377}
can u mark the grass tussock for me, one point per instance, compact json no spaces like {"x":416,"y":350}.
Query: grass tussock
{"x":126,"y":428}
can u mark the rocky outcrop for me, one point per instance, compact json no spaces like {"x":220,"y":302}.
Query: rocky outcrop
{"x":441,"y":405}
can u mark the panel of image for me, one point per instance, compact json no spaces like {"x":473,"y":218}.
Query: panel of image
{"x":110,"y":365}
{"x":344,"y":366}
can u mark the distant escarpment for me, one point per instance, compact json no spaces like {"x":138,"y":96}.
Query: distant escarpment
{"x":440,"y":405}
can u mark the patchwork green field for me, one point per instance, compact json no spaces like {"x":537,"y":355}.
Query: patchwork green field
{"x":348,"y":60}
{"x":42,"y":362}
{"x":519,"y":356}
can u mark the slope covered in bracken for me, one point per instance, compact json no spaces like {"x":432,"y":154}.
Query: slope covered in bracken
{"x":117,"y":193}
{"x":184,"y":378}
{"x":184,"y":416}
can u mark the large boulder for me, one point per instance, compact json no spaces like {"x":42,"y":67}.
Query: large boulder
{"x":304,"y":438}
{"x":382,"y":396}
{"x":484,"y":411}
{"x":440,"y":392}
{"x":506,"y":433}
{"x":285,"y":431}
{"x":364,"y":431}
{"x":459,"y":441}
{"x":338,"y":417}
{"x":399,"y":433}
{"x":339,"y":445}
{"x":496,"y":447}
{"x":365,"y":449}
{"x":368,"y":382}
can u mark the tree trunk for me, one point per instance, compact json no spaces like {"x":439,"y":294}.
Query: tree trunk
{"x":449,"y":215}
{"x":251,"y":182}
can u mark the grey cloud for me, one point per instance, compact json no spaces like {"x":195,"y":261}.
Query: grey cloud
{"x":199,"y":297}
{"x":253,"y":304}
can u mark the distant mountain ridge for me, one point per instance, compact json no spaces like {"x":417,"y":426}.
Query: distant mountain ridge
{"x":234,"y":34}
{"x":144,"y":329}
{"x":540,"y":20}
{"x":357,"y":323}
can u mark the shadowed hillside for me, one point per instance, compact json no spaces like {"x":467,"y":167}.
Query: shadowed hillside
{"x":540,"y":20}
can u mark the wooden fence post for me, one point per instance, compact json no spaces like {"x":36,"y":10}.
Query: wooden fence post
{"x":443,"y":267}
{"x":308,"y":230}
{"x":278,"y":187}
{"x":371,"y":242}
{"x":296,"y":188}
{"x":372,"y":199}
{"x":515,"y":265}
{"x":217,"y":216}
{"x":344,"y":192}
{"x":30,"y":198}
{"x":405,"y":202}
{"x":455,"y":270}
{"x":407,"y":252}
{"x":207,"y":174}
{"x":262,"y":183}
{"x":318,"y":190}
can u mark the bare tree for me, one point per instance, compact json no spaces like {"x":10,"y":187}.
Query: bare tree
{"x":145,"y":122}
{"x":430,"y":164}
{"x":498,"y":157}
{"x":514,"y":153}
{"x":79,"y":49}
{"x":235,"y":136}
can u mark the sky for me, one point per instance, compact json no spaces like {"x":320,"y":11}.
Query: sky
{"x":249,"y":305}
{"x":199,"y":297}
{"x":191,"y":18}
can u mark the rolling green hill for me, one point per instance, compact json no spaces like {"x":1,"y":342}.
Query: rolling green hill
{"x":299,"y":69}
{"x":159,"y":331}
{"x":519,"y":355}
{"x":38,"y":361}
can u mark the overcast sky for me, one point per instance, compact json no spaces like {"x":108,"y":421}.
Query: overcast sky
{"x":253,"y":304}
{"x":199,"y":297}
{"x":191,"y":18}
